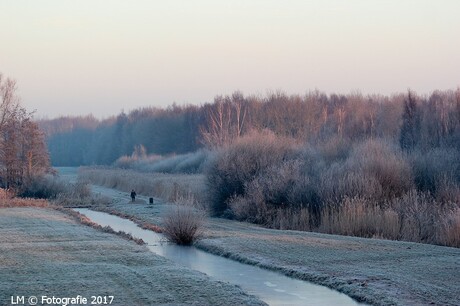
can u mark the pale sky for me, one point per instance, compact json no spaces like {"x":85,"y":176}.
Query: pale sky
{"x":101,"y":57}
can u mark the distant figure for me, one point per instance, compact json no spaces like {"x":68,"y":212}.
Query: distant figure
{"x":133,"y":195}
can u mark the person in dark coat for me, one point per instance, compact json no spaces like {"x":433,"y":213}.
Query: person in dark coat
{"x":133,"y":195}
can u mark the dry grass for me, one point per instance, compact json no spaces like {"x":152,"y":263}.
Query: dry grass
{"x":291,"y":219}
{"x":183,"y":225}
{"x":8,"y":200}
{"x":360,"y":217}
{"x":413,"y":217}
{"x":169,"y":187}
{"x":452,"y":229}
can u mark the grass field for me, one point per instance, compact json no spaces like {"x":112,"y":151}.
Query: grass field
{"x":45,"y":252}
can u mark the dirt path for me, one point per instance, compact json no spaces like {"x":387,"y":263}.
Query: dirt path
{"x":378,"y":272}
{"x":45,"y":252}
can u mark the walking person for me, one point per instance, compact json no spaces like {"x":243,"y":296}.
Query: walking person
{"x":133,"y":195}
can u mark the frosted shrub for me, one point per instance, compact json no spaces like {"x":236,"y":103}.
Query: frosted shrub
{"x":435,"y":169}
{"x":339,"y":182}
{"x":374,"y":170}
{"x":238,"y":164}
{"x":44,"y":187}
{"x":420,"y":217}
{"x":183,"y":225}
{"x":386,"y":164}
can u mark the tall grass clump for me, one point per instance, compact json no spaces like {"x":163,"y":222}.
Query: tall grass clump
{"x":8,"y":199}
{"x":183,"y":225}
{"x":360,"y":217}
{"x":451,"y":226}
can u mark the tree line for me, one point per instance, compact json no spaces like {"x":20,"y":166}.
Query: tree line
{"x":414,"y":121}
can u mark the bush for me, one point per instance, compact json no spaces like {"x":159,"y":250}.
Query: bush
{"x":374,"y":170}
{"x":183,"y":225}
{"x":436,"y":169}
{"x":421,"y":217}
{"x":278,"y":188}
{"x":44,"y":187}
{"x":238,"y":164}
{"x":334,"y":149}
{"x":61,"y":193}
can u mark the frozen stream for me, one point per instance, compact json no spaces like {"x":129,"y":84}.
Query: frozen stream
{"x":271,"y":287}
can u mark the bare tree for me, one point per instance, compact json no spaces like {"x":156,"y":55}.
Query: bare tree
{"x":224,"y":120}
{"x":34,"y":155}
{"x":23,"y":153}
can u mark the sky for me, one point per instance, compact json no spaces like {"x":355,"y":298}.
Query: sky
{"x":102,"y":57}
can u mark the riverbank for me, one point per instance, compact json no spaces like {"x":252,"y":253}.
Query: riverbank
{"x":378,"y":272}
{"x":46,"y":252}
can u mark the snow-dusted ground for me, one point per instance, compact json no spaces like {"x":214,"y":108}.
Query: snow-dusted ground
{"x":379,"y":272}
{"x":45,"y":252}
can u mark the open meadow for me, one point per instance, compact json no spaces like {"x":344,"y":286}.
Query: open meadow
{"x":47,"y":253}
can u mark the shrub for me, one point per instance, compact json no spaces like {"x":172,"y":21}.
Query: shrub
{"x":44,"y":187}
{"x":435,"y":169}
{"x":61,"y":193}
{"x":384,"y":162}
{"x":374,"y":170}
{"x":277,"y":189}
{"x":238,"y":164}
{"x":339,"y":182}
{"x":334,"y":149}
{"x":420,"y":217}
{"x":183,"y":225}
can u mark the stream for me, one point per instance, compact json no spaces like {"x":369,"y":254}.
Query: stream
{"x":271,"y":287}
